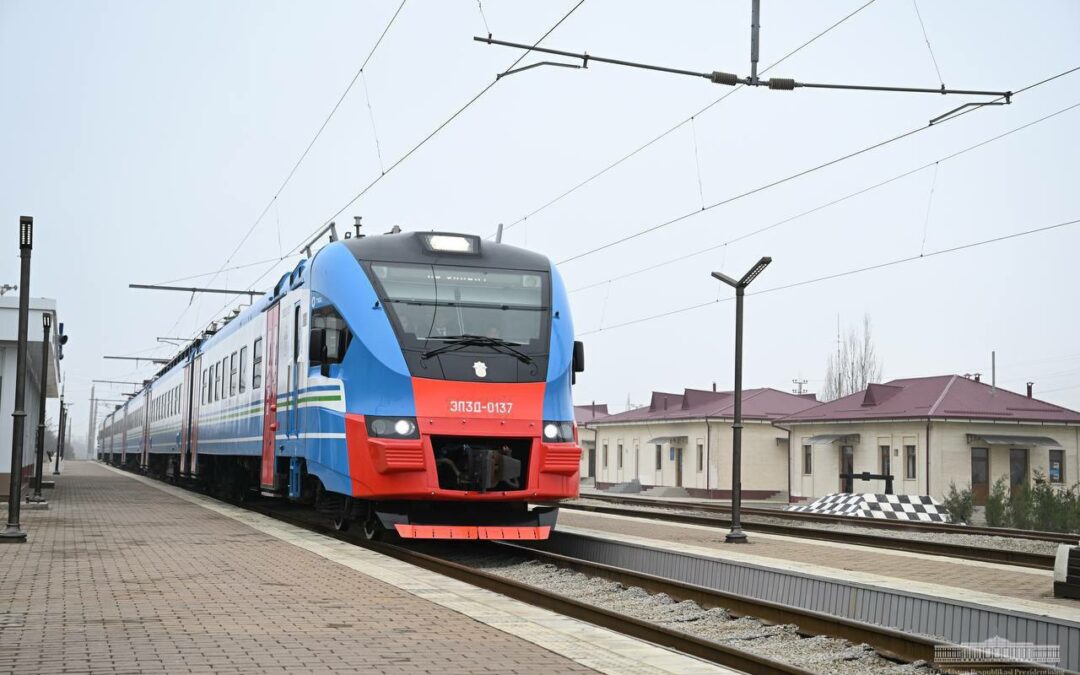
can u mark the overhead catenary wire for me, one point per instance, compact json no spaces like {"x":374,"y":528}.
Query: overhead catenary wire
{"x":300,"y":159}
{"x":846,"y":273}
{"x":799,"y":174}
{"x":830,"y":203}
{"x":411,"y":151}
{"x":929,"y":48}
{"x":680,"y":124}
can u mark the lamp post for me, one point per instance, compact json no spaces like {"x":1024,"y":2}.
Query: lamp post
{"x":735,"y":535}
{"x":14,"y":532}
{"x":60,"y":435}
{"x":39,"y":464}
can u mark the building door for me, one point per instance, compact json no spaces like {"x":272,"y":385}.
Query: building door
{"x":678,"y":467}
{"x":847,"y":467}
{"x":1018,"y":469}
{"x":270,"y":384}
{"x":980,"y":475}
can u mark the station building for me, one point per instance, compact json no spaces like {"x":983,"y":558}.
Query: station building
{"x":585,"y":415}
{"x":9,"y":334}
{"x":684,"y":440}
{"x":928,"y":432}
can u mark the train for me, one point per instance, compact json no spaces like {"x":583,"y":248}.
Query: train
{"x":415,"y":384}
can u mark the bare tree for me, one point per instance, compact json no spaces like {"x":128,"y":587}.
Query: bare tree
{"x":854,"y":365}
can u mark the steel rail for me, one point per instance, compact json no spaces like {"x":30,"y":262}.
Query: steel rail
{"x":1004,"y":556}
{"x":888,"y":642}
{"x":681,"y":642}
{"x":917,"y":526}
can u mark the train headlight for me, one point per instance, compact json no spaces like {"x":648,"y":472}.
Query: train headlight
{"x":559,"y":432}
{"x":392,"y":427}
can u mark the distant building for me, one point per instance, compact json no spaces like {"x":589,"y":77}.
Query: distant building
{"x":9,"y":333}
{"x":684,"y":440}
{"x":585,"y":415}
{"x":929,"y":432}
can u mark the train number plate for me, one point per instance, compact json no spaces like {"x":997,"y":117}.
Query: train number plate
{"x":458,"y":406}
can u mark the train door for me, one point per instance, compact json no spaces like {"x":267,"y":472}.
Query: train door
{"x":270,"y":387}
{"x":1018,"y":470}
{"x":188,"y":458}
{"x":187,"y":400}
{"x":294,"y":376}
{"x":145,"y":454}
{"x":123,"y":437}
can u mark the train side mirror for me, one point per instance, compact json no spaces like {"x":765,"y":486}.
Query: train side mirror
{"x":577,"y":364}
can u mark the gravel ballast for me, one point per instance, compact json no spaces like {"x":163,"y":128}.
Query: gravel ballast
{"x":779,"y":642}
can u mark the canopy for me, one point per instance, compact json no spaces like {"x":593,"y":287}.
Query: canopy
{"x":671,"y":440}
{"x":1007,"y":439}
{"x":825,"y":439}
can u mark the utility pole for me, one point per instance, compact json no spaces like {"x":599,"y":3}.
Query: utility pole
{"x":14,"y":532}
{"x":798,"y":390}
{"x":91,"y":444}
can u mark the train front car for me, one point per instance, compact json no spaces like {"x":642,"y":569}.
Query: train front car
{"x":456,"y":358}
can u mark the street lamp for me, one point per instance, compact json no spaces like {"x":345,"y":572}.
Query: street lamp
{"x":735,"y":535}
{"x":36,"y":498}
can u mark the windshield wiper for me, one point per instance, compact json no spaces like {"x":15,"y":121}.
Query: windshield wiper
{"x":458,"y":342}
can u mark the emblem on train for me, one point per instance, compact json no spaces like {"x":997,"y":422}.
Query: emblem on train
{"x":481,"y":368}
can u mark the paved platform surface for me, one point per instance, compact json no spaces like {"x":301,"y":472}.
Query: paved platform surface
{"x":973,"y":581}
{"x":124,"y":576}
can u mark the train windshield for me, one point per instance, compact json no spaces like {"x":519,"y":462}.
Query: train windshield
{"x":430,"y":304}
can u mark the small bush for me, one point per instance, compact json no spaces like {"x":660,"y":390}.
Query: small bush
{"x":960,"y":504}
{"x":997,"y":504}
{"x":1022,"y":508}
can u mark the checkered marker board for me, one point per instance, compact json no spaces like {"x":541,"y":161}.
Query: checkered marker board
{"x":885,"y":507}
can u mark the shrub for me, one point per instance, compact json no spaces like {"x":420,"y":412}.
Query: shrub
{"x":1022,"y":508}
{"x":997,"y":504}
{"x":960,"y":504}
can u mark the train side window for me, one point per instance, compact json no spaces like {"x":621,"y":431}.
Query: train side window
{"x":225,"y":377}
{"x":256,"y":363}
{"x":330,"y":336}
{"x":218,"y":375}
{"x":232,"y":374}
{"x":210,"y":387}
{"x":202,"y":399}
{"x":243,"y":368}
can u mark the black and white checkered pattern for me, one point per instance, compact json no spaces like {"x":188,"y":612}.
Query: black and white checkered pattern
{"x":885,"y":507}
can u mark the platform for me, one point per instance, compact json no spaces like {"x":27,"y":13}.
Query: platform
{"x":127,"y":575}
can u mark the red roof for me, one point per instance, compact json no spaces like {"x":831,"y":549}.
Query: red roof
{"x":943,"y":396}
{"x":760,"y":404}
{"x":583,"y":414}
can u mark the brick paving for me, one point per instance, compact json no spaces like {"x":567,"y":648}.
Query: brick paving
{"x":118,"y":577}
{"x":935,"y":570}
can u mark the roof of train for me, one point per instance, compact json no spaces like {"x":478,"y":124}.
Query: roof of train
{"x":407,"y":247}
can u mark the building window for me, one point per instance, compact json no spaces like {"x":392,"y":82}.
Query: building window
{"x":807,"y":460}
{"x":659,"y":456}
{"x":243,"y":368}
{"x":604,"y":455}
{"x":618,"y":457}
{"x":885,"y":460}
{"x":1057,"y":466}
{"x":909,"y":462}
{"x":256,"y":363}
{"x":700,"y":457}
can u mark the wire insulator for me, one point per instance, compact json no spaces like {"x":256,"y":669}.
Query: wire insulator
{"x":730,"y":79}
{"x":785,"y":83}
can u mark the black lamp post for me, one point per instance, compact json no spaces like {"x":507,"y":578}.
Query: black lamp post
{"x":39,"y":464}
{"x":14,"y":532}
{"x":736,"y":535}
{"x":60,"y":435}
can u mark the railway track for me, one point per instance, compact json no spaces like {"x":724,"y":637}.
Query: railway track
{"x":799,"y":516}
{"x":964,"y":551}
{"x":889,"y":643}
